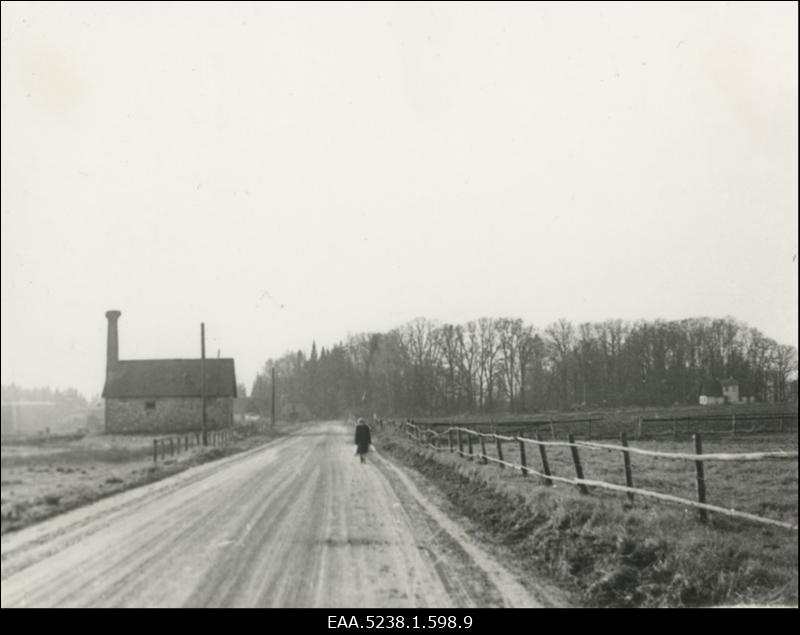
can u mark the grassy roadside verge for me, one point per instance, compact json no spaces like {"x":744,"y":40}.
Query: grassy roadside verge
{"x":611,"y":554}
{"x":39,"y":487}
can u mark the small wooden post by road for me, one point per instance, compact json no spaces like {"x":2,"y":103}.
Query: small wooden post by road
{"x":163,"y":447}
{"x":701,"y":479}
{"x":522,"y":460}
{"x":552,"y":430}
{"x":460,"y":443}
{"x":499,"y":449}
{"x":469,"y":445}
{"x":186,"y":443}
{"x":543,"y":456}
{"x":639,"y":429}
{"x":171,"y":446}
{"x":576,"y":459}
{"x":272,"y":419}
{"x":203,"y":379}
{"x":155,"y":451}
{"x":626,"y":459}
{"x":484,"y":460}
{"x":450,"y":440}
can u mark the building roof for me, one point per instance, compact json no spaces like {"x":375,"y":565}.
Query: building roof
{"x":170,"y":378}
{"x":711,"y":388}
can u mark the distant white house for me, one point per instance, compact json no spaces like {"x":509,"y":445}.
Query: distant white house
{"x":730,"y":390}
{"x":714,"y":392}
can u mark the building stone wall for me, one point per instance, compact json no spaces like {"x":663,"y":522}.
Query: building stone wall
{"x":166,"y":414}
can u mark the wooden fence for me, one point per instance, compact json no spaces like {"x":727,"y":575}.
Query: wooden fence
{"x":170,"y":446}
{"x":639,"y":427}
{"x":459,"y":440}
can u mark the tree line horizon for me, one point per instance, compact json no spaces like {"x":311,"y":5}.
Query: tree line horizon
{"x":488,"y":365}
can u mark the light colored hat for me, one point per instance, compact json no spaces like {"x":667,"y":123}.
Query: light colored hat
{"x":361,"y":420}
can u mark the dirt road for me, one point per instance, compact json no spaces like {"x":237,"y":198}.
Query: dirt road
{"x":296,"y":523}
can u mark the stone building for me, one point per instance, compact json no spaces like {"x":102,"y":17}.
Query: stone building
{"x":154,"y":396}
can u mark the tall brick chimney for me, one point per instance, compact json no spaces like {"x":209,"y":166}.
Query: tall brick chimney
{"x":112,"y":346}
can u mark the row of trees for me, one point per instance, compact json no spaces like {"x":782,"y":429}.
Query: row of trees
{"x":504,"y":364}
{"x":12,"y":393}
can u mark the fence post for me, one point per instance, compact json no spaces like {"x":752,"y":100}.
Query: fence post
{"x":450,"y":440}
{"x":171,"y":446}
{"x":460,"y":443}
{"x":469,"y":445}
{"x":552,"y":430}
{"x":499,"y":450}
{"x":163,"y":447}
{"x":626,"y":459}
{"x":186,"y":443}
{"x":523,"y":461}
{"x":576,"y":459}
{"x":483,"y":450}
{"x":701,"y":478}
{"x":639,"y":429}
{"x":545,"y":464}
{"x":155,"y":451}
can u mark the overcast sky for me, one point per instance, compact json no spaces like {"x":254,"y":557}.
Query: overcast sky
{"x":296,"y":172}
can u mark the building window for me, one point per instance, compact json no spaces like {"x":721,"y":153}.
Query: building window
{"x":149,"y":405}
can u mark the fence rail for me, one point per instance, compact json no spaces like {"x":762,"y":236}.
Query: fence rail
{"x":426,"y":437}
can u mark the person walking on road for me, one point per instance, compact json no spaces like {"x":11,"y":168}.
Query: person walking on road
{"x":363,"y":439}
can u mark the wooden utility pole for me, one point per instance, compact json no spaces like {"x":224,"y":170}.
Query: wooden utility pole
{"x":273,"y":396}
{"x":203,"y":378}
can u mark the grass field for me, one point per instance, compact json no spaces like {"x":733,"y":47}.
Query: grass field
{"x":45,"y":477}
{"x":657,"y":422}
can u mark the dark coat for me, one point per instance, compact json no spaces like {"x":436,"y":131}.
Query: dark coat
{"x":363,"y":438}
